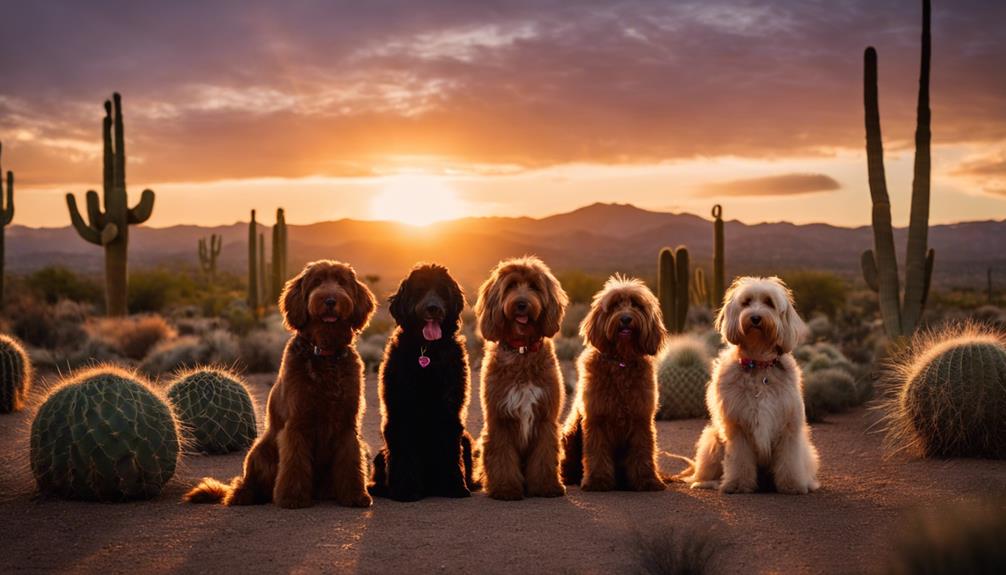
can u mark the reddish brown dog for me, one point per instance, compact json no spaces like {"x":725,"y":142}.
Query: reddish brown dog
{"x":311,"y":449}
{"x":610,"y":439}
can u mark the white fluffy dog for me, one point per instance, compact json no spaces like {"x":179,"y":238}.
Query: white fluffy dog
{"x":758,"y":429}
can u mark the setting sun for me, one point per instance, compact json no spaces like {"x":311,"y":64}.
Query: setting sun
{"x":417,"y":200}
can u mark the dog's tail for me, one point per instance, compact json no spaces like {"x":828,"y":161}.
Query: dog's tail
{"x":209,"y":490}
{"x":682,"y":476}
{"x":469,"y":454}
{"x":572,"y":452}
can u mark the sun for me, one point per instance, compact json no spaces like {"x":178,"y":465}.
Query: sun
{"x":416,"y":199}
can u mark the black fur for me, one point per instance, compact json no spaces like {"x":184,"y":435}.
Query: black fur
{"x":427,"y":451}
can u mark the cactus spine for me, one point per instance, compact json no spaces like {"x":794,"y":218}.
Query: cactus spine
{"x":6,"y":216}
{"x":111,"y":227}
{"x":279,"y":255}
{"x":672,"y":287}
{"x":719,"y":264}
{"x":253,"y":289}
{"x":15,"y":375}
{"x":880,"y":265}
{"x":208,"y":254}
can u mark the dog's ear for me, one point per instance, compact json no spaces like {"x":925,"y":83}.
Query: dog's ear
{"x":728,"y":321}
{"x":455,"y":301}
{"x":652,"y":333}
{"x":293,"y":303}
{"x":555,"y":304}
{"x":489,"y":308}
{"x":792,"y":329}
{"x":399,"y":304}
{"x":364,"y":304}
{"x":592,"y":327}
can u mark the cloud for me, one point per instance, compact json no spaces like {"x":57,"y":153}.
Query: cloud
{"x":988,"y":172}
{"x":781,"y":185}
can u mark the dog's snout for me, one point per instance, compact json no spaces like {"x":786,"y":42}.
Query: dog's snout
{"x":330,"y":302}
{"x":756,"y":320}
{"x":522,"y":305}
{"x":625,"y":320}
{"x":433,"y":309}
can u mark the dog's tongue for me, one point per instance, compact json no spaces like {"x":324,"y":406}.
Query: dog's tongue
{"x":431,"y":331}
{"x":522,"y":319}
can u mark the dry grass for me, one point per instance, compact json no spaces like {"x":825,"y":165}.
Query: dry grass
{"x":132,"y":337}
{"x":677,"y":551}
{"x":966,"y":538}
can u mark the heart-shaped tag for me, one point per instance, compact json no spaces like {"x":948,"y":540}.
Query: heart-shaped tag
{"x":424,"y":361}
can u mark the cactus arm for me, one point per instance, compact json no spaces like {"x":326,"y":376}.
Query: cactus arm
{"x":7,"y":213}
{"x":89,"y":234}
{"x":886,"y":261}
{"x":681,"y":273}
{"x":916,"y":260}
{"x":141,"y":212}
{"x":869,"y":265}
{"x":930,"y":256}
{"x":665,"y":286}
{"x":120,"y":146}
{"x":94,"y":215}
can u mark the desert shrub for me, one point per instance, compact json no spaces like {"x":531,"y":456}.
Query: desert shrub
{"x":132,"y":337}
{"x":568,"y":348}
{"x":700,"y":318}
{"x":683,"y":372}
{"x":676,"y":551}
{"x":828,"y":390}
{"x":216,"y":347}
{"x":53,"y":283}
{"x":990,"y":315}
{"x":571,"y":320}
{"x":58,"y":326}
{"x":820,"y":328}
{"x":261,"y":351}
{"x":198,"y":325}
{"x":157,"y":289}
{"x":959,"y":539}
{"x":949,"y":394}
{"x":372,"y":351}
{"x":817,"y":292}
{"x":713,"y":341}
{"x":240,"y":319}
{"x":580,"y":286}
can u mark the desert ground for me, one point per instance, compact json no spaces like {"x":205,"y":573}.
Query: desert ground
{"x":846,"y":527}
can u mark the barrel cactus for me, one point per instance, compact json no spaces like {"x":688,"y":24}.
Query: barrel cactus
{"x":950,"y":394}
{"x":215,"y":410}
{"x":683,"y":373}
{"x":15,"y":375}
{"x":104,"y":435}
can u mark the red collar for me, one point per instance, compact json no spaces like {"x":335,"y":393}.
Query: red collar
{"x":752,"y":364}
{"x":322,"y":352}
{"x":520,"y":346}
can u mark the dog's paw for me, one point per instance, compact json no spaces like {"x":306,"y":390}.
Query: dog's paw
{"x":512,"y":493}
{"x":704,"y":485}
{"x":737,"y":486}
{"x":653,"y":484}
{"x":796,"y":488}
{"x":293,"y":502}
{"x":358,"y":500}
{"x":556,"y":490}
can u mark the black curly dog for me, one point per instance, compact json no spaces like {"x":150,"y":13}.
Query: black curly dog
{"x":424,"y":386}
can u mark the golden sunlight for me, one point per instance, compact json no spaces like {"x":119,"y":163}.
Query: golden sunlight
{"x":416,"y":199}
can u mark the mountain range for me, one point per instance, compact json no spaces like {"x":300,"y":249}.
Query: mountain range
{"x":596,"y":239}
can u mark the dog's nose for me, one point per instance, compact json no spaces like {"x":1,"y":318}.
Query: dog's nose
{"x":330,"y":302}
{"x":433,"y":309}
{"x":521,"y":306}
{"x":755,"y":319}
{"x":625,"y":320}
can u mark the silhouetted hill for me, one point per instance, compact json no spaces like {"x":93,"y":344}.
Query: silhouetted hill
{"x":599,"y":238}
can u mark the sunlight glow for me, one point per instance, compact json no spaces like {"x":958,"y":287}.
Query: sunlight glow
{"x":416,"y":199}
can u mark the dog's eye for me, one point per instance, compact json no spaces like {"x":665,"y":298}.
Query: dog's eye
{"x":770,"y":303}
{"x":745,"y":302}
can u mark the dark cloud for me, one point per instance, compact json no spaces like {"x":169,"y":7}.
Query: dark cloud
{"x":238,"y":89}
{"x":781,"y":185}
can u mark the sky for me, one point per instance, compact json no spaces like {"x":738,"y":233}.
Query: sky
{"x":419,"y":111}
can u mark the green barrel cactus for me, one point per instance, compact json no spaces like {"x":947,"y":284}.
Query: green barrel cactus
{"x":215,"y":410}
{"x":951,"y":394}
{"x":15,"y":375}
{"x":104,"y":435}
{"x":683,"y":373}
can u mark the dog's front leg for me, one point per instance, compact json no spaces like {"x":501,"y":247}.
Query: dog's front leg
{"x":501,"y":466}
{"x":740,"y":466}
{"x":294,"y":478}
{"x":349,"y":471}
{"x":641,"y":461}
{"x":794,"y":465}
{"x":543,"y":463}
{"x":598,"y":458}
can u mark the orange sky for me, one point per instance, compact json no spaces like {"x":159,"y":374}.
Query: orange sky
{"x":346,"y":110}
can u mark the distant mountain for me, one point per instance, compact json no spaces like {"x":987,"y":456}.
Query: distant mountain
{"x":599,"y":238}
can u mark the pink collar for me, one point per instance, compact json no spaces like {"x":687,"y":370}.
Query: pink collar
{"x":753,"y":364}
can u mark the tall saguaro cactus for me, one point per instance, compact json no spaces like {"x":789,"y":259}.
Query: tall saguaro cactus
{"x":111,"y":227}
{"x":263,"y":288}
{"x":719,"y":263}
{"x":672,"y":287}
{"x":253,"y":271}
{"x":6,"y":216}
{"x":279,"y":255}
{"x":208,"y":254}
{"x":901,"y":314}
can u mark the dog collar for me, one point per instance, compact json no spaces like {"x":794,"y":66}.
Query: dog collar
{"x":615,"y":359}
{"x":753,"y":364}
{"x":520,"y":346}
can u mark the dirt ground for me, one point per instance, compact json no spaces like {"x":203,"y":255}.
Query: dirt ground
{"x":846,"y":527}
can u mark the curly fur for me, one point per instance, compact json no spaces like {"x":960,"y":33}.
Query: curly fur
{"x":519,"y":308}
{"x":609,"y":441}
{"x":758,"y":435}
{"x":427,"y":451}
{"x":311,"y":448}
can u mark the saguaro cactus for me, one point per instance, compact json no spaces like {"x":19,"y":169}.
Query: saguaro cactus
{"x":111,"y":227}
{"x":253,"y":273}
{"x":208,"y":254}
{"x":6,"y":216}
{"x":901,"y":314}
{"x":719,"y":263}
{"x":279,"y":255}
{"x":700,"y":289}
{"x":672,"y":287}
{"x":263,"y":288}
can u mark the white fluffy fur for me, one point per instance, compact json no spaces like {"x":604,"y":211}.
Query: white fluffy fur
{"x":520,"y":404}
{"x":757,"y":416}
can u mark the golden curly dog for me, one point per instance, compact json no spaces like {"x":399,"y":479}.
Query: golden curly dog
{"x":519,"y":308}
{"x":610,"y":440}
{"x":311,"y":448}
{"x":758,"y":435}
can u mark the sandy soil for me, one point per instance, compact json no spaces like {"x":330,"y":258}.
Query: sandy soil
{"x":846,"y":527}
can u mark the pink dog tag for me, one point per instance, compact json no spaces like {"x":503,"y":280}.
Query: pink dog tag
{"x":424,"y":361}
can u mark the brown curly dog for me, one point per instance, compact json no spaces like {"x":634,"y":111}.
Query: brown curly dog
{"x":311,"y":448}
{"x":519,"y":308}
{"x":610,"y":440}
